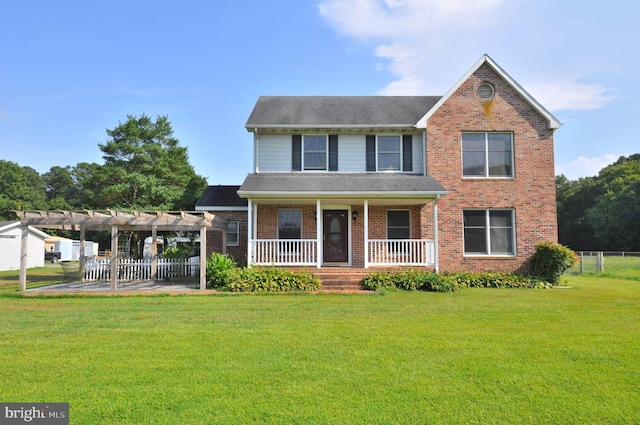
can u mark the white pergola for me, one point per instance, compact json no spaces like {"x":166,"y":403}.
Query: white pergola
{"x":116,"y":221}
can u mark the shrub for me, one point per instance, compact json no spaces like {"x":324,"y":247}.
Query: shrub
{"x":408,"y":280}
{"x":219,"y":268}
{"x":449,"y":282}
{"x":494,"y":280}
{"x":550,"y":260}
{"x":378,"y":280}
{"x":270,"y":280}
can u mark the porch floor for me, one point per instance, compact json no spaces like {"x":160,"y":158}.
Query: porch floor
{"x":98,"y":287}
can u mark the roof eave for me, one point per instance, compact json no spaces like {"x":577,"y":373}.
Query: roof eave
{"x":342,"y":194}
{"x":253,"y":128}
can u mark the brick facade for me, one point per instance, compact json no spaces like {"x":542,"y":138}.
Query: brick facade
{"x":530,"y":193}
{"x":214,"y":237}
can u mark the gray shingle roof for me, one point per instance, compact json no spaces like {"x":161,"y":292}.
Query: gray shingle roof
{"x":339,"y":111}
{"x":334,"y":184}
{"x":221,"y":196}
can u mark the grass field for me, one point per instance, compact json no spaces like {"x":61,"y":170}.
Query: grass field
{"x":480,"y":356}
{"x":616,"y":267}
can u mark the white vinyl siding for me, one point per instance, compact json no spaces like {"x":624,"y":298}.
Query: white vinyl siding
{"x":10,"y":243}
{"x":274,"y":153}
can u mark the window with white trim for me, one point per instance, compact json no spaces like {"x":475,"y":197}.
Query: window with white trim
{"x":315,"y":152}
{"x":389,"y":152}
{"x":398,"y":224}
{"x":487,"y":154}
{"x":289,"y":224}
{"x":489,"y":232}
{"x":233,"y":232}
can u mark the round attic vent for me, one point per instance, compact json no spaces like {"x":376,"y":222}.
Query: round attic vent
{"x":485,"y":91}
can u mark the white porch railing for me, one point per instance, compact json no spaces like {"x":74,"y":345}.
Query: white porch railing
{"x":128,"y":270}
{"x":284,"y":252}
{"x":388,"y":252}
{"x":401,"y":252}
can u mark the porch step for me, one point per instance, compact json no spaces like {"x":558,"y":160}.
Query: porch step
{"x":346,"y":279}
{"x":342,"y":278}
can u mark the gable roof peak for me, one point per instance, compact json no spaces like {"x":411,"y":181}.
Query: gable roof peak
{"x":554,"y":123}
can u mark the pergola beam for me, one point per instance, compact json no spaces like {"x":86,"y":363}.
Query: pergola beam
{"x":117,"y":221}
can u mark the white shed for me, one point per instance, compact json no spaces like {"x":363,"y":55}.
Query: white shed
{"x":10,"y":240}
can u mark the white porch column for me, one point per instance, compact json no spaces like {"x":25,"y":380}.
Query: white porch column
{"x":249,"y":232}
{"x":114,"y":256}
{"x":203,"y":257}
{"x":435,"y":234}
{"x":366,"y":233}
{"x":24,"y":250}
{"x":318,"y":234}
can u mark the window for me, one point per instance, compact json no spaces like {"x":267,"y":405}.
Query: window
{"x":485,"y":91}
{"x":488,"y":232}
{"x":398,"y":224}
{"x":232,"y":233}
{"x":487,"y":155}
{"x":314,"y":152}
{"x":289,"y":224}
{"x":389,"y":152}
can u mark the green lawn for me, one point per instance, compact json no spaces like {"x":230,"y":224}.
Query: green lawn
{"x":482,"y":356}
{"x":627,"y":267}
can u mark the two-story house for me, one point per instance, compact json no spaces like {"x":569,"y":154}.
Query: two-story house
{"x":463,"y":181}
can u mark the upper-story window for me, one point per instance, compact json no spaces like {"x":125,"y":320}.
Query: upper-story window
{"x":487,"y":154}
{"x":314,"y":152}
{"x":389,"y":152}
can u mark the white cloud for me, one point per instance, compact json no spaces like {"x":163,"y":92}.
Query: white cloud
{"x":586,"y":167}
{"x":416,"y":37}
{"x":571,"y":95}
{"x":410,"y":32}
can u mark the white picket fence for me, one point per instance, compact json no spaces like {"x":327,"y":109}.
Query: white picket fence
{"x":99,"y":269}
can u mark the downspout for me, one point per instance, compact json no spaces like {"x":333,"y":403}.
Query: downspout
{"x":424,"y":146}
{"x":255,"y":149}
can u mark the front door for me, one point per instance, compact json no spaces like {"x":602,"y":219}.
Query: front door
{"x":336,"y":231}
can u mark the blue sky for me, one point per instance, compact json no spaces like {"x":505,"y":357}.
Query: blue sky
{"x":71,"y":69}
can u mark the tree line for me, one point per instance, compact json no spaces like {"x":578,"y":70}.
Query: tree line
{"x":601,"y":213}
{"x":144,"y":168}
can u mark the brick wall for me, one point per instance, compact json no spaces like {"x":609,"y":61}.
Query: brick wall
{"x":531,"y":193}
{"x":214,"y":237}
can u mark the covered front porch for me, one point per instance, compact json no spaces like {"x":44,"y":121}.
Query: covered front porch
{"x":357,"y":221}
